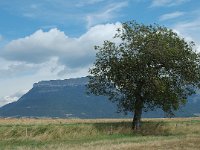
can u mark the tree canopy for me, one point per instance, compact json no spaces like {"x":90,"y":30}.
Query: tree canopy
{"x":150,"y":67}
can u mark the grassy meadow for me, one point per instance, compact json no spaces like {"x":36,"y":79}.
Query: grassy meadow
{"x":99,"y":134}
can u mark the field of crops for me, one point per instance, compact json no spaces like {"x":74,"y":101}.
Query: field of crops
{"x":99,"y":134}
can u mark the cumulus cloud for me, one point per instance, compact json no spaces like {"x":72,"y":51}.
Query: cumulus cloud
{"x":171,"y":15}
{"x":158,"y":3}
{"x":42,"y":46}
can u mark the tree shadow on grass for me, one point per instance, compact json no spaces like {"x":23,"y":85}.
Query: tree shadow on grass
{"x":149,"y":128}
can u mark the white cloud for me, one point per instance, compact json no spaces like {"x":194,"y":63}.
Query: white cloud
{"x":17,"y":69}
{"x":190,"y":25}
{"x":189,"y":30}
{"x":158,"y":3}
{"x":105,"y":14}
{"x":11,"y":98}
{"x":41,"y":46}
{"x":171,"y":15}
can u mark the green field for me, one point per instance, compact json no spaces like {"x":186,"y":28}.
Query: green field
{"x":99,"y":134}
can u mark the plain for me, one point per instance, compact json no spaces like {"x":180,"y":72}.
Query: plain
{"x":99,"y":134}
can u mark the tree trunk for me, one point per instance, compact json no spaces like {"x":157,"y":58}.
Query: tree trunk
{"x":136,"y":124}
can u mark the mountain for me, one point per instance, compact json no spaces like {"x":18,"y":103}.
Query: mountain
{"x":60,"y":98}
{"x":68,"y":99}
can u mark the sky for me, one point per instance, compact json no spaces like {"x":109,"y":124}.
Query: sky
{"x":55,"y":39}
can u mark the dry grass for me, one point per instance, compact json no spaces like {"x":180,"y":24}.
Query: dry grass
{"x":27,"y":121}
{"x":33,"y":121}
{"x":99,"y":134}
{"x":186,"y":143}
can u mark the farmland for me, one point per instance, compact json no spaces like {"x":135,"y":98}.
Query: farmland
{"x":61,"y":134}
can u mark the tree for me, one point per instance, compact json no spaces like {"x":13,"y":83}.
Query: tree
{"x":151,"y":67}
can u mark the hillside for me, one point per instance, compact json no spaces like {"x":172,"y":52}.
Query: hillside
{"x":60,"y":98}
{"x":68,"y":99}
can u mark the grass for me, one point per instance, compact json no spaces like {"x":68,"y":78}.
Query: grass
{"x":61,"y":134}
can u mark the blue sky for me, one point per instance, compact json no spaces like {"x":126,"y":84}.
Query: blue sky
{"x":54,"y":39}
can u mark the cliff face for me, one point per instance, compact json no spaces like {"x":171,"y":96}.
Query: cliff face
{"x":62,"y":83}
{"x":68,"y":99}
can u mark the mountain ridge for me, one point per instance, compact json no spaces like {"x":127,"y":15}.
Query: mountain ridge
{"x":68,"y":99}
